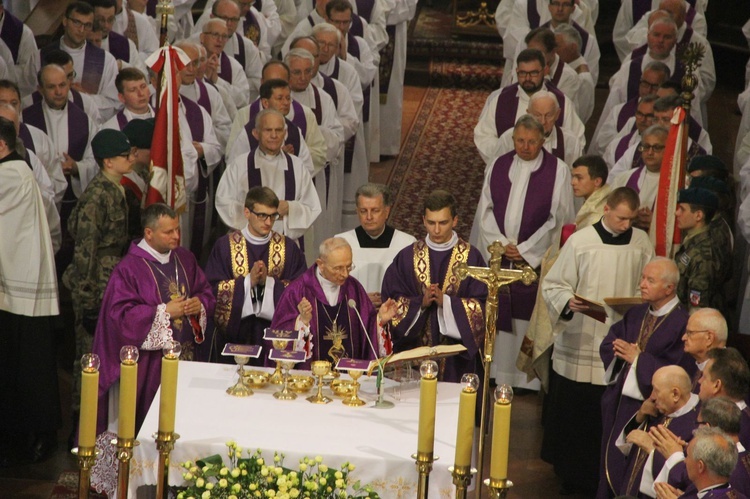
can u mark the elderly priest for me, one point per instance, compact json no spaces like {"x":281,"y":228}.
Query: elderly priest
{"x":324,"y":304}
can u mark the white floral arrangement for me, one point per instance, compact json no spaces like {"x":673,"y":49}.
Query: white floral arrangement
{"x":252,"y":477}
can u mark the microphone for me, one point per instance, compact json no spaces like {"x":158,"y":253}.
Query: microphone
{"x":353,"y":305}
{"x":380,"y":404}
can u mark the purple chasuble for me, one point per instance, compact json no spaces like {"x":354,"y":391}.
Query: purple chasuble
{"x":323,"y":315}
{"x":227,"y":279}
{"x":740,"y":478}
{"x":11,"y":33}
{"x":664,"y":347}
{"x":536,"y":211}
{"x":254,"y":176}
{"x":139,"y":284}
{"x":404,"y":281}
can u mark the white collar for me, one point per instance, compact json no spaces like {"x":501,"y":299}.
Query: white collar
{"x":441,"y":246}
{"x":330,"y":289}
{"x":258,"y":241}
{"x":702,"y":365}
{"x":161,"y":258}
{"x":689,"y":406}
{"x":610,"y":231}
{"x":666,"y":308}
{"x":741,"y":404}
{"x":269,"y":157}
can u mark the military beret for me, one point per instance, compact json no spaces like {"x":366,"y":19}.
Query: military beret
{"x":699,"y":196}
{"x":140,"y":132}
{"x":713,"y":184}
{"x":109,"y":143}
{"x":706,"y":162}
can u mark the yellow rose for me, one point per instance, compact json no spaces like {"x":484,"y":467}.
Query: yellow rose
{"x":200,"y":483}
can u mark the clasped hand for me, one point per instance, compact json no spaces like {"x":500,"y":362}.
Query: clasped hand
{"x":180,"y":307}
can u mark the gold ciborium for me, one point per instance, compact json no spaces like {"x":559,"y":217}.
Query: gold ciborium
{"x":240,"y":389}
{"x":354,"y":400}
{"x":277,"y":378}
{"x":320,"y":368}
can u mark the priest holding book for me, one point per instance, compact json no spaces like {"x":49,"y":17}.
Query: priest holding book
{"x":609,"y":247}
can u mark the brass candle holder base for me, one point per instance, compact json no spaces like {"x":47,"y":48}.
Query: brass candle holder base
{"x":462,"y":477}
{"x":498,"y":489}
{"x":124,"y":455}
{"x":240,"y":389}
{"x":354,"y":400}
{"x":424,"y":462}
{"x":165,"y":445}
{"x":86,"y":458}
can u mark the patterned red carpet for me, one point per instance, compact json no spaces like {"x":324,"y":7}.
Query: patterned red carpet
{"x":439,"y":152}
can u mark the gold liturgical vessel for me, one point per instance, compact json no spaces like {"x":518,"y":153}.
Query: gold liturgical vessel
{"x":320,"y":368}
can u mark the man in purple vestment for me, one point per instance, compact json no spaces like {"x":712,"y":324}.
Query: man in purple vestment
{"x":671,"y":405}
{"x":248,"y":270}
{"x":647,"y":338}
{"x":711,"y":458}
{"x":324,"y":304}
{"x":157,"y":294}
{"x":434,"y":308}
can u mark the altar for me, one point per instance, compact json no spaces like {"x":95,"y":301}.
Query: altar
{"x":379,"y":442}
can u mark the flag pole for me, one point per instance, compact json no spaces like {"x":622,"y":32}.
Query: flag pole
{"x":164,"y":8}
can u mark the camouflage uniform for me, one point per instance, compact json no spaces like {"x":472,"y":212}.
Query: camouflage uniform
{"x":99,"y":226}
{"x":702,"y":269}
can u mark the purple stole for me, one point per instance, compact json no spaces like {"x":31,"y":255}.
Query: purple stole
{"x":11,"y":33}
{"x":559,"y":151}
{"x":311,"y":21}
{"x":78,"y":127}
{"x":25,"y":136}
{"x":623,"y":145}
{"x":122,"y":120}
{"x":329,"y":87}
{"x":386,"y":61}
{"x":251,"y":27}
{"x":690,"y":16}
{"x":119,"y":46}
{"x":195,"y":121}
{"x":203,"y":100}
{"x":555,"y":78}
{"x":364,"y":8}
{"x":151,"y":8}
{"x":77,"y":99}
{"x":627,"y":111}
{"x":633,"y":179}
{"x":686,"y":37}
{"x":532,"y":14}
{"x":317,"y":110}
{"x":357,"y":28}
{"x":640,"y":7}
{"x":536,"y":210}
{"x":639,"y":52}
{"x":93,"y":65}
{"x":226,"y":68}
{"x":352,"y":48}
{"x":507,"y":105}
{"x":254,"y":177}
{"x":240,"y":56}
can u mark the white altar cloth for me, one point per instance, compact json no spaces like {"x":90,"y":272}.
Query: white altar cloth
{"x":379,"y":442}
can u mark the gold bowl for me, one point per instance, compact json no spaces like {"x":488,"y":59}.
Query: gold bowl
{"x":342,"y":387}
{"x":256,"y":379}
{"x":301,"y":384}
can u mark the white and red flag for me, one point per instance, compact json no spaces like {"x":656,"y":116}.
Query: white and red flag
{"x":664,"y":233}
{"x":167,"y":184}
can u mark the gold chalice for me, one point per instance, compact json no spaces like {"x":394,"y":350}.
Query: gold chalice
{"x":320,"y":368}
{"x":354,"y":400}
{"x":277,"y":378}
{"x":240,"y":389}
{"x":285,"y":393}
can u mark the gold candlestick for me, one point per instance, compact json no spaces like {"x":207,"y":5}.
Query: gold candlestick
{"x":165,"y":445}
{"x":124,"y":455}
{"x":86,"y":457}
{"x":424,"y":462}
{"x":498,"y":489}
{"x":462,"y":477}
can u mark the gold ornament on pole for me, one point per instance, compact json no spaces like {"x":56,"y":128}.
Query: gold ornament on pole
{"x":691,"y":59}
{"x":495,"y":277}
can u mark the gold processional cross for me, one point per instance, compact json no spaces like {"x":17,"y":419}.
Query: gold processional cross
{"x":495,"y":277}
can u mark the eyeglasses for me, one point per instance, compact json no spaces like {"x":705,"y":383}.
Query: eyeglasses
{"x":541,"y":118}
{"x":651,"y":147}
{"x":344,"y":268}
{"x":265,"y":216}
{"x":650,"y":86}
{"x":80,"y":24}
{"x":642,"y":116}
{"x":229,"y":19}
{"x":691,"y":332}
{"x":218,"y":36}
{"x":526,"y":74}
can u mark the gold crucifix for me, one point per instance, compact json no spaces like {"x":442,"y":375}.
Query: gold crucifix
{"x":495,"y":277}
